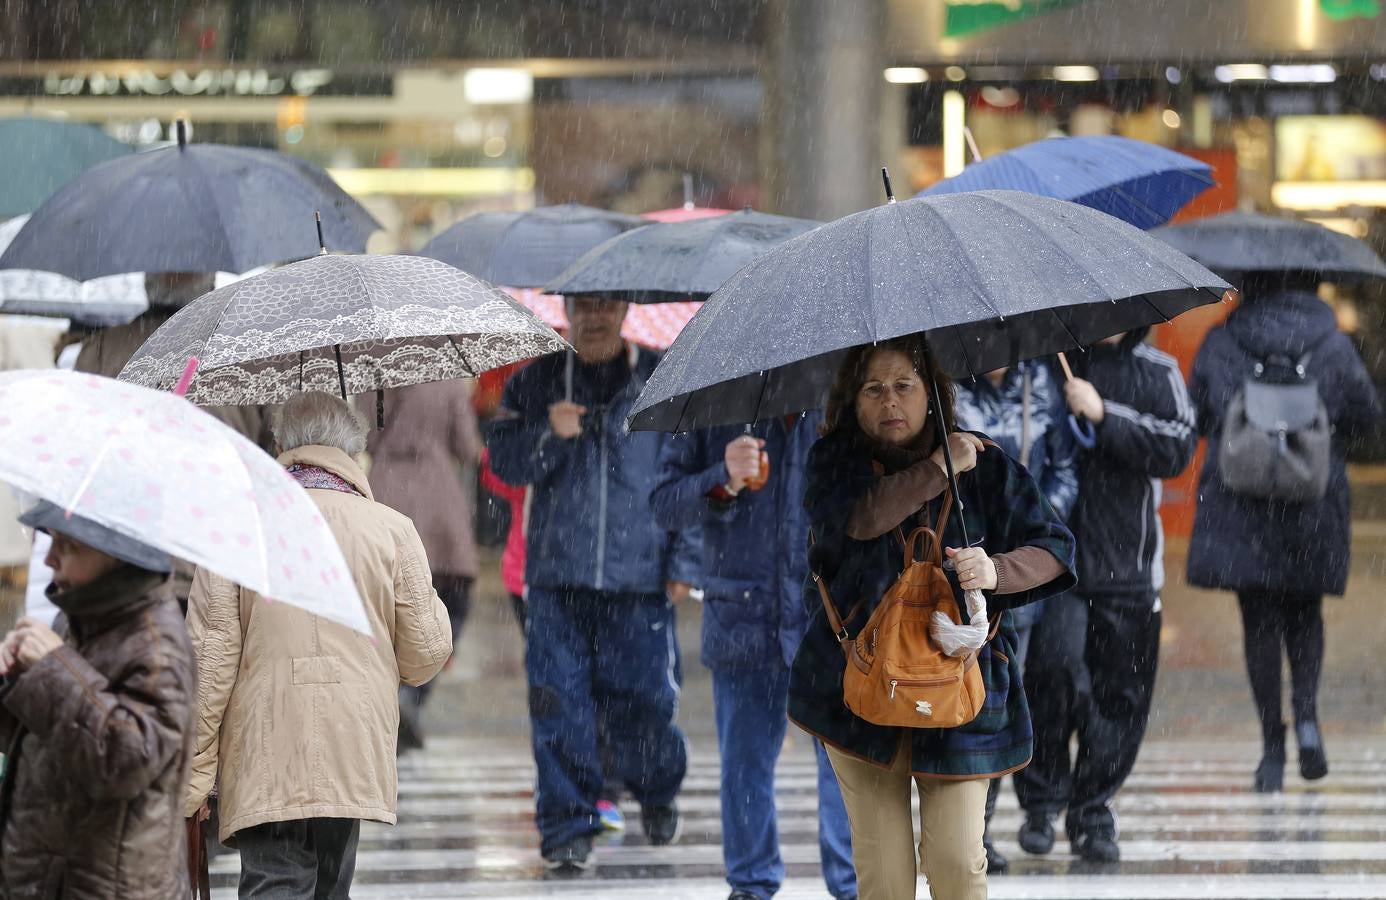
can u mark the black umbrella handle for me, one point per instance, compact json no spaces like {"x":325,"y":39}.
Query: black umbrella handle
{"x":943,"y":442}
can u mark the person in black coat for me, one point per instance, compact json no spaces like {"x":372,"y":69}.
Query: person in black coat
{"x":1280,"y":557}
{"x":1091,"y":667}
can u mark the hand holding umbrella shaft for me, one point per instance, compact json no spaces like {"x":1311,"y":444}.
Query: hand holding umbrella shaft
{"x":742,"y":458}
{"x":1084,"y":400}
{"x":964,"y":448}
{"x":565,"y":419}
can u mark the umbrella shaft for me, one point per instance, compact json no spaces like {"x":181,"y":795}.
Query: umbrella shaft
{"x":943,"y":442}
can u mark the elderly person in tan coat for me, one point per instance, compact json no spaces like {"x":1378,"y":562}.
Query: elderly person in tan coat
{"x":297,"y":716}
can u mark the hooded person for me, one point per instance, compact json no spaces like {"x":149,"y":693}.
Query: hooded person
{"x":97,"y":717}
{"x":1092,"y":659}
{"x":1279,"y":556}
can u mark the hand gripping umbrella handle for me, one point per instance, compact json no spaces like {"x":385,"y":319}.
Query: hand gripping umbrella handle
{"x":1082,"y":429}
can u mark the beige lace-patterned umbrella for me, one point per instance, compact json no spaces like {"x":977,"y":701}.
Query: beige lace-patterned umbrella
{"x":342,"y":324}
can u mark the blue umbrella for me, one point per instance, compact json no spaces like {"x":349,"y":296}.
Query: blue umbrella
{"x":38,"y":156}
{"x":188,"y":208}
{"x":1144,"y":184}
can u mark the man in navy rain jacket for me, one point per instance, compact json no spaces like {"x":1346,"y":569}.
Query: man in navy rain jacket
{"x":1091,"y":668}
{"x":600,"y":651}
{"x":753,"y":568}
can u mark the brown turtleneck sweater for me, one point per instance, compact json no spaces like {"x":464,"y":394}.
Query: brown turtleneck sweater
{"x":908,"y":481}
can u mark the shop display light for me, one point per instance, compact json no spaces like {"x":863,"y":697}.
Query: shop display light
{"x":1241,"y":72}
{"x":906,"y":75}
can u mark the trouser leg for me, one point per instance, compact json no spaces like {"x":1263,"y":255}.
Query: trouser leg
{"x":1122,"y":653}
{"x":1304,"y":647}
{"x":951,"y":819}
{"x":277,"y":861}
{"x":878,"y":807}
{"x":562,"y":710}
{"x":834,"y":831}
{"x":635,"y":687}
{"x":749,"y":707}
{"x":1057,"y":685}
{"x":1263,"y":635}
{"x":334,"y":843}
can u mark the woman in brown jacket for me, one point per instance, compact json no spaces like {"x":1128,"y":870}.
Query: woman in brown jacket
{"x":297,"y":716}
{"x":98,"y":725}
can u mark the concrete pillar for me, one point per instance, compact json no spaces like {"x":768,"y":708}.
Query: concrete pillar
{"x":821,"y":131}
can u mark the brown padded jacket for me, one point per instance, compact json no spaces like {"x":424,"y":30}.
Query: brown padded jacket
{"x":91,"y":801}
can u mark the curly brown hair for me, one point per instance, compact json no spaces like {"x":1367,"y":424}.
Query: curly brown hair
{"x":841,"y":410}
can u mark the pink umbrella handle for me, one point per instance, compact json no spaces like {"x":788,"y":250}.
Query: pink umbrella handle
{"x":185,"y":380}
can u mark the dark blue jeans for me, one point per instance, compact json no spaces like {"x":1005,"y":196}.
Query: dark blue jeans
{"x":751,"y":720}
{"x":600,"y":663}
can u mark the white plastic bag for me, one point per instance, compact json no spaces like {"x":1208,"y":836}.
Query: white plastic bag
{"x":960,"y":640}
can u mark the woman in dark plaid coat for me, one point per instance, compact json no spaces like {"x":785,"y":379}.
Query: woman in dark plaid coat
{"x":878,"y":467}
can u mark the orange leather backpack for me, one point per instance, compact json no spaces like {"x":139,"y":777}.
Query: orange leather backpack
{"x":896,"y":675}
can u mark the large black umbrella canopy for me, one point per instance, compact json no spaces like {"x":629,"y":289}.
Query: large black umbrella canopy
{"x":347,"y":324}
{"x":673,"y":261}
{"x":188,"y":208}
{"x":992,"y":277}
{"x":526,"y":249}
{"x":1241,"y":243}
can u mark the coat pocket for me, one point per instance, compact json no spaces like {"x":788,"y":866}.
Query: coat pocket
{"x":317,"y":669}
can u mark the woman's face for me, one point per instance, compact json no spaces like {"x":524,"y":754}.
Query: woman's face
{"x":893,"y":400}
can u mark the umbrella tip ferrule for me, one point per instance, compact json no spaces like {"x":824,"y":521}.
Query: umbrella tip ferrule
{"x":885,"y":179}
{"x":322,"y":245}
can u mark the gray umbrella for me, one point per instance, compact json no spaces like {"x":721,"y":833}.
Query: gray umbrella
{"x":1238,"y":243}
{"x":993,"y":277}
{"x":339,"y":323}
{"x":189,"y":208}
{"x":675,"y":261}
{"x":526,"y":249}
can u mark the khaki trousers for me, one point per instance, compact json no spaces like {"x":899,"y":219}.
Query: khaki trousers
{"x":952,"y":816}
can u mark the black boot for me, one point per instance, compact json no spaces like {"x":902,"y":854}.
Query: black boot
{"x":1270,"y":774}
{"x":1313,"y":762}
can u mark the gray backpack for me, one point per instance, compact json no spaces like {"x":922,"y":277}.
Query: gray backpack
{"x":1276,"y":436}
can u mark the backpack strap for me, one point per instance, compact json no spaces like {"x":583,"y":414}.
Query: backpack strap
{"x":830,"y":610}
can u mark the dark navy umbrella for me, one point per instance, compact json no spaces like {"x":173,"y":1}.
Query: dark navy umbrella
{"x":1241,"y":243}
{"x":1144,"y":184}
{"x":675,"y":261}
{"x":992,"y":277}
{"x":38,"y":156}
{"x":188,"y":208}
{"x":526,"y":249}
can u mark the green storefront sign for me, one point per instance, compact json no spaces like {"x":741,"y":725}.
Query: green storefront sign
{"x":969,"y":17}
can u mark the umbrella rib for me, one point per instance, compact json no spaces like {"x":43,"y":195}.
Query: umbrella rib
{"x":471,"y":371}
{"x":1078,"y":344}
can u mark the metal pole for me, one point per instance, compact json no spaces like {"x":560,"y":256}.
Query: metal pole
{"x":341,"y":373}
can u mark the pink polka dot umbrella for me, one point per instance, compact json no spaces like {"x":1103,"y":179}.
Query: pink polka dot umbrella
{"x":154,"y":467}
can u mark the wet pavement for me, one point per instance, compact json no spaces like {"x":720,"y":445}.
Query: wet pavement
{"x":1190,"y":826}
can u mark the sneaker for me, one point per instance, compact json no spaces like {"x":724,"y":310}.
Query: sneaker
{"x":662,"y":824}
{"x":610,"y":814}
{"x":1096,"y":848}
{"x":997,"y":864}
{"x":570,"y":858}
{"x":742,"y":895}
{"x":1036,"y":835}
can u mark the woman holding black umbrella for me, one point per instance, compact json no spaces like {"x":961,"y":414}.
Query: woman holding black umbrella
{"x":879,"y":467}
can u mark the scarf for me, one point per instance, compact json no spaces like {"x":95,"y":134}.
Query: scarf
{"x":320,"y":478}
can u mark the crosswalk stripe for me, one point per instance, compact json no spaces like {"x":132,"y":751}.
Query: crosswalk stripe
{"x":1191,"y":828}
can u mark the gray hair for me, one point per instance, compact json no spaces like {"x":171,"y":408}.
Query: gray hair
{"x":319,"y":418}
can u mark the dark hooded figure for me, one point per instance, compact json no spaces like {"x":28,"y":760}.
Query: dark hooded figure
{"x":98,"y":721}
{"x":1280,"y":557}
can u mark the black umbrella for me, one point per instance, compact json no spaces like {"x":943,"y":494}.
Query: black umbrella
{"x":1240,"y":243}
{"x":992,"y":277}
{"x":675,"y":261}
{"x":526,"y":249}
{"x":189,"y":208}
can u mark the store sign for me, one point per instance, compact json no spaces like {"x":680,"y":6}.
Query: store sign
{"x":1341,"y":10}
{"x":181,"y":82}
{"x":968,"y":17}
